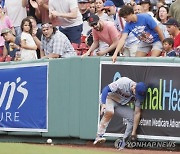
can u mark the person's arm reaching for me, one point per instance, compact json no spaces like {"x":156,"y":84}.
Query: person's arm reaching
{"x":119,"y":46}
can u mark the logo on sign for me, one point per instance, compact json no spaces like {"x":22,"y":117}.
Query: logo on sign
{"x":18,"y":86}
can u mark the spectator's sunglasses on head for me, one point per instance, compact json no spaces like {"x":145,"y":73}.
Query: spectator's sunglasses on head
{"x":46,"y":25}
{"x":107,"y":10}
{"x":131,"y":4}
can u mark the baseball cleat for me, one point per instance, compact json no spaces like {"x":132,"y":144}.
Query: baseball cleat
{"x":99,"y":140}
{"x":119,"y":144}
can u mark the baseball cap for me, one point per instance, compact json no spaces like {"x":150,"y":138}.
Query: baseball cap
{"x":86,"y":15}
{"x":83,"y":1}
{"x":172,"y":21}
{"x":93,"y":19}
{"x":5,"y":30}
{"x":108,"y":3}
{"x":141,"y":90}
{"x":144,"y":1}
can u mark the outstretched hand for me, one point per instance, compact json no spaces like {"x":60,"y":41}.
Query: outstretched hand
{"x":84,"y":55}
{"x":114,"y":58}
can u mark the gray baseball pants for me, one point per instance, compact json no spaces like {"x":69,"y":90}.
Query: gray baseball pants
{"x":122,"y":110}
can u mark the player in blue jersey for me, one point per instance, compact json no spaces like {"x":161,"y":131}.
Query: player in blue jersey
{"x":115,"y":98}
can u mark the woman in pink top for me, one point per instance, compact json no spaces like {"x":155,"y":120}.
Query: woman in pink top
{"x":5,"y":22}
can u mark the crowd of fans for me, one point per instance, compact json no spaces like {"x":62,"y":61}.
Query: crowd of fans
{"x":34,"y":29}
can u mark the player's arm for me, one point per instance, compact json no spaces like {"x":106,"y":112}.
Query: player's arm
{"x":104,"y":94}
{"x":137,"y":115}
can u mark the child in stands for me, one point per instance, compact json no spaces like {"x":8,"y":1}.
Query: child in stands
{"x":168,"y":44}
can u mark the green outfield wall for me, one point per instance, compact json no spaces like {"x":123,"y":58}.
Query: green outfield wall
{"x":73,"y":94}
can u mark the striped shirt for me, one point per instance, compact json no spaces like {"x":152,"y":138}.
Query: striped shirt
{"x":59,"y":44}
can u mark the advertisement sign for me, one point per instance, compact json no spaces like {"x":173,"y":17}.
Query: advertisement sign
{"x":160,"y":111}
{"x":23,"y":97}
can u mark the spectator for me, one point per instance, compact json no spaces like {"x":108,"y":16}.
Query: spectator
{"x":174,"y":10}
{"x":112,"y":10}
{"x":145,"y":29}
{"x":100,"y":11}
{"x":31,"y":11}
{"x":2,"y":3}
{"x":162,"y":17}
{"x":118,"y":3}
{"x":16,"y":10}
{"x":5,"y":22}
{"x":173,"y":29}
{"x":41,"y":10}
{"x":137,"y":9}
{"x":84,"y":9}
{"x":12,"y":43}
{"x":28,"y":51}
{"x":36,"y":34}
{"x":131,"y":44}
{"x":54,"y":44}
{"x":104,"y":31}
{"x":70,"y":19}
{"x":92,"y":7}
{"x":168,"y":44}
{"x":146,"y":6}
{"x":159,"y":4}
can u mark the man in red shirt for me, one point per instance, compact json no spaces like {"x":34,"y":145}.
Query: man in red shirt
{"x":173,"y":29}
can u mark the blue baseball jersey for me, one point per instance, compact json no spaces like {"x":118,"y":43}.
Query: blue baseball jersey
{"x":143,"y":28}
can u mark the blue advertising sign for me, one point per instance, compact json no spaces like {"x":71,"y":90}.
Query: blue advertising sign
{"x":23,"y":97}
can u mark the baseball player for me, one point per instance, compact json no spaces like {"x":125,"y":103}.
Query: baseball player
{"x":114,"y":98}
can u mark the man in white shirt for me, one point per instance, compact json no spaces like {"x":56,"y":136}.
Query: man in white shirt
{"x":69,"y":17}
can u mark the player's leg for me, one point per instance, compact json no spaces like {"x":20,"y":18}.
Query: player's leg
{"x":108,"y":114}
{"x":127,"y":113}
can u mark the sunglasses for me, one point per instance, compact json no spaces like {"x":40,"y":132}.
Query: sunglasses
{"x":107,"y":10}
{"x":46,"y":25}
{"x":94,"y":24}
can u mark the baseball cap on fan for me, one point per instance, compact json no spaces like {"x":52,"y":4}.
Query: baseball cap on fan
{"x":93,"y":19}
{"x":141,"y":90}
{"x":172,"y":21}
{"x":5,"y":30}
{"x":108,"y":3}
{"x":83,"y":1}
{"x":144,"y":2}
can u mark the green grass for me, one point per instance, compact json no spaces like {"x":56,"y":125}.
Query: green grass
{"x":22,"y":148}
